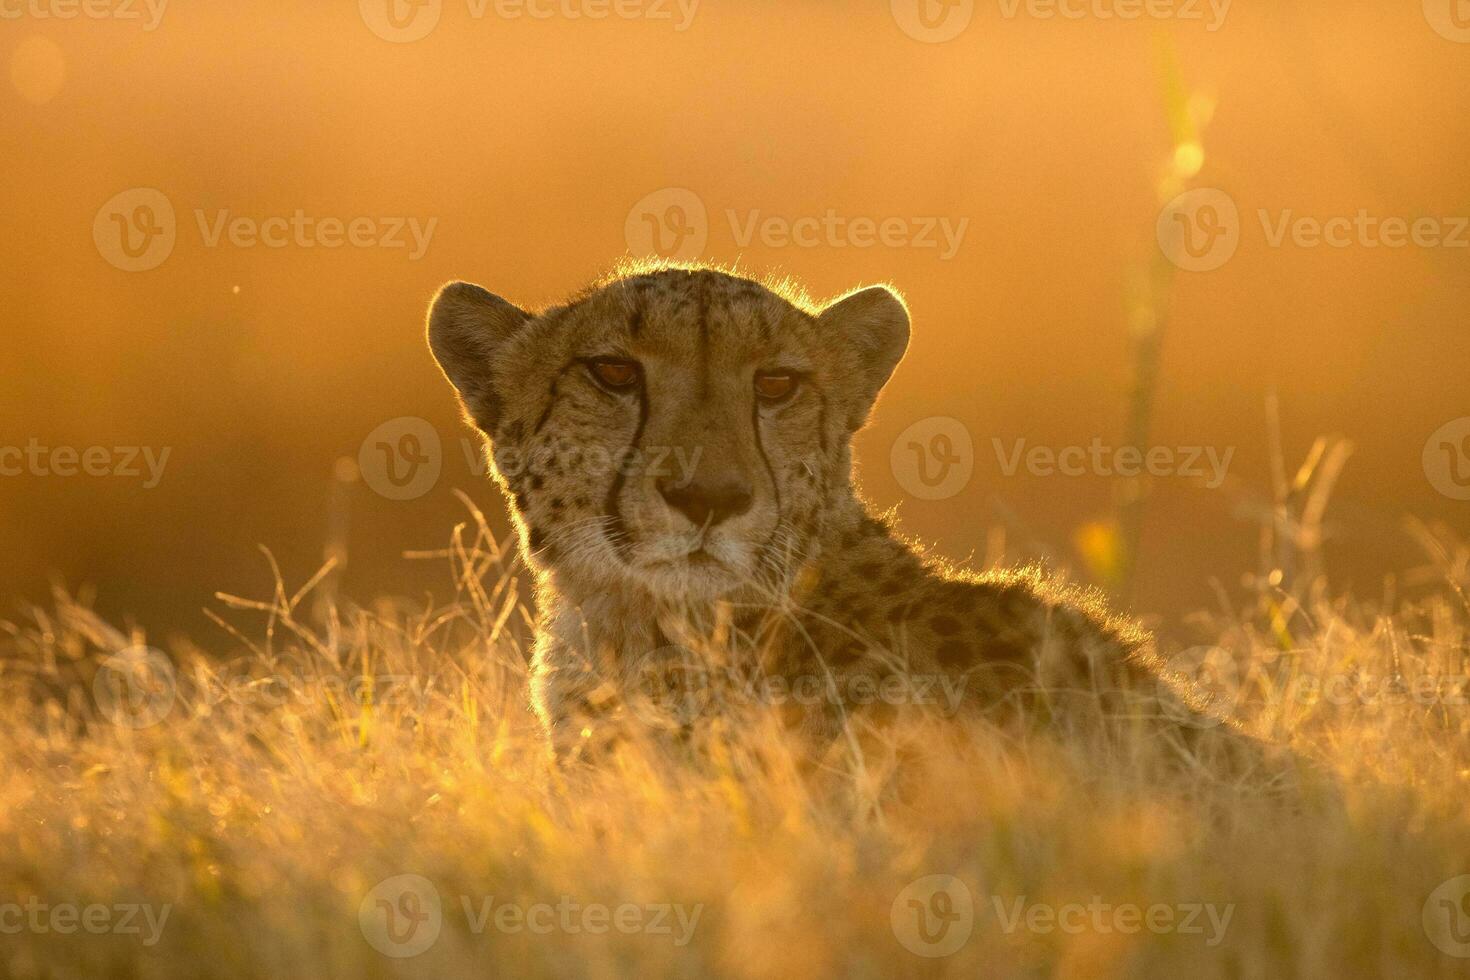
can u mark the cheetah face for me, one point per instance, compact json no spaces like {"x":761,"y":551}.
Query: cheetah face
{"x":683,"y":432}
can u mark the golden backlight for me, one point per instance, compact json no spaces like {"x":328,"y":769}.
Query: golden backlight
{"x":1024,"y":163}
{"x":1188,"y":284}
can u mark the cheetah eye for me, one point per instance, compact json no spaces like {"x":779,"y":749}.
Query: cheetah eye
{"x":614,"y":372}
{"x":774,"y":386}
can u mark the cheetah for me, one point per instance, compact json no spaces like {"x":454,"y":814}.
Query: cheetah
{"x":675,"y":445}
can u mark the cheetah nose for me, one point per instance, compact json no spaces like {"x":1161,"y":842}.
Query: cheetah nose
{"x":707,"y":503}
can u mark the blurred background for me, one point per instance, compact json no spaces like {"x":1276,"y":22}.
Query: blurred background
{"x":222,"y":224}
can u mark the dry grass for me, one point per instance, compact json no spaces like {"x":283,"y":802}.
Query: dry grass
{"x":342,"y":748}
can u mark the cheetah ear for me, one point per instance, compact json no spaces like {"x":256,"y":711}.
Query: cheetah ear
{"x":873,"y":325}
{"x":468,"y":326}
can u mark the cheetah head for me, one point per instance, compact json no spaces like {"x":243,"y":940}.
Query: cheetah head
{"x":683,"y":432}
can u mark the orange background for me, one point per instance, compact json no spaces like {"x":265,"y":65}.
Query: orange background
{"x":530,"y":140}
